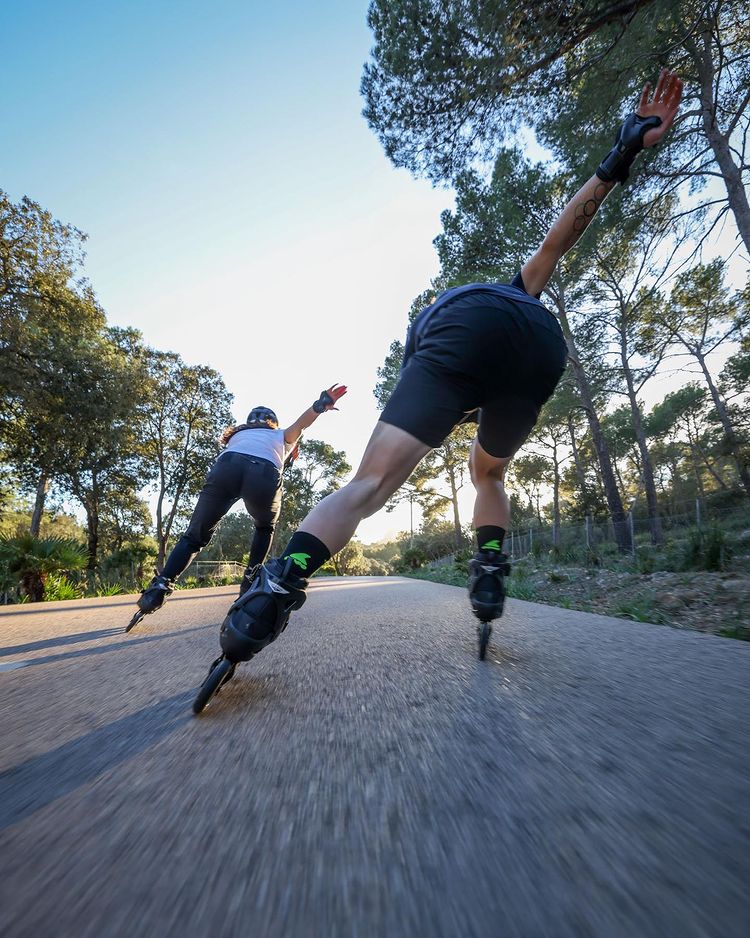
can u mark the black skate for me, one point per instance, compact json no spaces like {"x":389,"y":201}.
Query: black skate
{"x":487,"y":572}
{"x":152,"y":598}
{"x":247,"y":578}
{"x":220,"y":673}
{"x":254,"y":620}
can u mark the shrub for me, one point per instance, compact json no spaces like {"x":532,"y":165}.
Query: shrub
{"x":411,"y":559}
{"x":32,"y":559}
{"x":639,"y":609}
{"x":109,"y":589}
{"x":716,"y":549}
{"x":706,"y":550}
{"x":520,"y":588}
{"x":691,"y":551}
{"x":59,"y":587}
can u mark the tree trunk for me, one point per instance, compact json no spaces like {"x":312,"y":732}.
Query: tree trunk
{"x":696,"y":467}
{"x":580,"y":475}
{"x":712,"y":469}
{"x":92,"y":523}
{"x":32,"y":583}
{"x":555,"y":497}
{"x":92,"y":537}
{"x":165,"y":527}
{"x":41,"y":495}
{"x":646,"y":467}
{"x":719,"y":142}
{"x":614,"y":501}
{"x":729,"y":434}
{"x":454,"y":499}
{"x":161,"y":542}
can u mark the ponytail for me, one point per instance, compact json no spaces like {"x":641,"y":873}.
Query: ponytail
{"x":227,"y":435}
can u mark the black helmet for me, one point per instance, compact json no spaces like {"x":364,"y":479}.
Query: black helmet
{"x":262,"y":415}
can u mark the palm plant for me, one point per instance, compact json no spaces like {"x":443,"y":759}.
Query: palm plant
{"x":30,"y":560}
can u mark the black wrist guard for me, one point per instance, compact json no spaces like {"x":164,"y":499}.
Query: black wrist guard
{"x":325,"y":400}
{"x":615,"y":166}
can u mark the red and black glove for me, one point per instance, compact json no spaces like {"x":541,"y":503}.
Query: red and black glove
{"x":327,"y":399}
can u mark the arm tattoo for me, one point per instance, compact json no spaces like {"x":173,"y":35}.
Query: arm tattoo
{"x":585,"y":211}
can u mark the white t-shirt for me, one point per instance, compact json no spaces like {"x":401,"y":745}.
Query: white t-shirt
{"x":262,"y":443}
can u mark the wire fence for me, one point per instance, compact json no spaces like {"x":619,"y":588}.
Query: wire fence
{"x":635,"y":533}
{"x":214,"y":569}
{"x":595,"y":535}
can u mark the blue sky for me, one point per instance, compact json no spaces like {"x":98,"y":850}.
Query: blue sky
{"x":238,"y":208}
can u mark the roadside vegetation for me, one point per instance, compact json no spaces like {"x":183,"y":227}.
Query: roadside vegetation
{"x":699,"y":579}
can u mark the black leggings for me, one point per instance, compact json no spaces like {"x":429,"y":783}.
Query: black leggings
{"x":257,"y":482}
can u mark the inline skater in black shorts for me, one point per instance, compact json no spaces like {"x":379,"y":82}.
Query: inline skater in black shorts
{"x":249,"y":467}
{"x":489,"y":349}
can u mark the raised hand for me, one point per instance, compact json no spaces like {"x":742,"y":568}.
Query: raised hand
{"x":328,"y":399}
{"x":335,"y":392}
{"x":664,"y":104}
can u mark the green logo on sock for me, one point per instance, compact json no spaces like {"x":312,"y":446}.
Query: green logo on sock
{"x":300,"y":560}
{"x":491,"y":545}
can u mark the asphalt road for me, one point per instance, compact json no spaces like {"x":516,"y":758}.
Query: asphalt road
{"x":367,"y":776}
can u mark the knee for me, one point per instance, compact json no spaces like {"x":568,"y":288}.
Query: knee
{"x":268,"y":528}
{"x":369,"y":492}
{"x":485,"y":472}
{"x":196,"y":540}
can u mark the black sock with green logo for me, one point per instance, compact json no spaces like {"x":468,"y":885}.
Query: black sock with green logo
{"x":490,"y":537}
{"x":308,"y":553}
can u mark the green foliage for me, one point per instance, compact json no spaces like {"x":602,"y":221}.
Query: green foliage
{"x":436,"y":539}
{"x":639,"y":609}
{"x":446,"y":573}
{"x":105,"y":588}
{"x":181,"y":413}
{"x":388,"y":373}
{"x":232,"y":538}
{"x":706,"y":549}
{"x":412,"y":558}
{"x":319,"y":470}
{"x":716,"y":550}
{"x":51,"y":323}
{"x":30,"y":560}
{"x":435,"y":482}
{"x":448,"y":80}
{"x":351,"y":560}
{"x":521,"y":588}
{"x":59,"y":588}
{"x":15,"y":519}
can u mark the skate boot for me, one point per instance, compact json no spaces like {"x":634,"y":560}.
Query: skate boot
{"x":247,"y":578}
{"x":487,"y":572}
{"x":261,"y":613}
{"x":152,"y":598}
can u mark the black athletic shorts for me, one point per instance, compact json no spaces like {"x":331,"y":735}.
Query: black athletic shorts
{"x":482,"y":351}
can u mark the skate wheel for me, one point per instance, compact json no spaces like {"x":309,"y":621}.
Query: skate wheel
{"x":135,"y":620}
{"x":484,"y":630}
{"x":219,"y":674}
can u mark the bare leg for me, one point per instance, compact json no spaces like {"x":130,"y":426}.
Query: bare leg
{"x":488,"y":568}
{"x":388,"y":461}
{"x":492,"y":505}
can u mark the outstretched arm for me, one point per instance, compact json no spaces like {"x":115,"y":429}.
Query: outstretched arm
{"x":326,"y":401}
{"x":644,"y":128}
